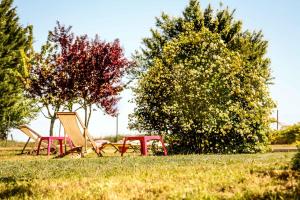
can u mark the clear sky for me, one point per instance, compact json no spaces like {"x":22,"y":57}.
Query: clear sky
{"x":131,"y":20}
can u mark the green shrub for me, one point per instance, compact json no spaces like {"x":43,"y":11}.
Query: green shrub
{"x":296,"y":160}
{"x":287,"y":135}
{"x":201,"y":86}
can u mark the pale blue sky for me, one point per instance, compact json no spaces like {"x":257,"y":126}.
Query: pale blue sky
{"x":131,"y":20}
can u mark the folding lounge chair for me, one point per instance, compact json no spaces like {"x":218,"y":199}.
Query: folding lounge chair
{"x":72,"y":123}
{"x":118,"y":147}
{"x":32,"y":135}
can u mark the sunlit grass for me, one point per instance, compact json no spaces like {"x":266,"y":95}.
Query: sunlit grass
{"x":247,"y":176}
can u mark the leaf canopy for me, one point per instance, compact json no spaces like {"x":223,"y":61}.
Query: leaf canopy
{"x":204,"y":83}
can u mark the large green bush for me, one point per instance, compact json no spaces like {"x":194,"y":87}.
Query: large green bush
{"x":203,"y":83}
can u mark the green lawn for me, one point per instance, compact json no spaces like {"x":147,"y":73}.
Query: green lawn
{"x":247,"y":176}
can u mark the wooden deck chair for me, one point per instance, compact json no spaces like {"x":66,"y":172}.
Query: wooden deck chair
{"x":72,"y":123}
{"x":118,"y":147}
{"x":32,"y":135}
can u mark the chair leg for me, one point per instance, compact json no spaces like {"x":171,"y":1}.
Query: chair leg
{"x":70,"y":143}
{"x":123,"y":147}
{"x":25,"y":145}
{"x":34,"y":146}
{"x":114,"y":146}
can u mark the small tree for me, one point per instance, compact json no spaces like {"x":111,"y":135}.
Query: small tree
{"x":204,"y":83}
{"x":15,"y":51}
{"x":74,"y":70}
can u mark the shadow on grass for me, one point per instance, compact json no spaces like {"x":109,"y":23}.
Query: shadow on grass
{"x":7,"y":180}
{"x":13,"y":189}
{"x":17,"y":191}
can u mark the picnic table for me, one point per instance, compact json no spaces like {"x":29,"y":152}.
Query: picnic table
{"x":143,"y":142}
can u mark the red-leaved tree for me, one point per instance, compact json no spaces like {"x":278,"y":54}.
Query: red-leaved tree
{"x":87,"y":72}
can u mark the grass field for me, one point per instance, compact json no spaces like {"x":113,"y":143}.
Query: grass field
{"x":247,"y":176}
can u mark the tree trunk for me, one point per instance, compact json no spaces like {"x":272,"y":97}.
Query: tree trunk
{"x":52,"y":121}
{"x":85,"y":123}
{"x":52,"y":117}
{"x":85,"y":115}
{"x":89,"y":115}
